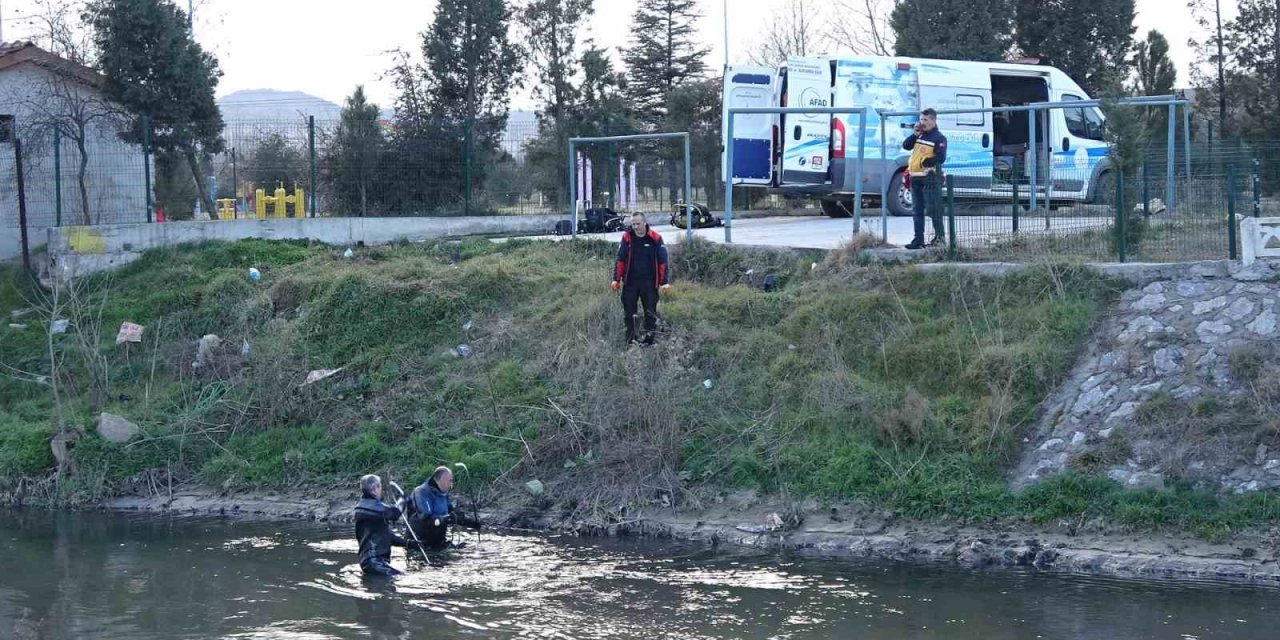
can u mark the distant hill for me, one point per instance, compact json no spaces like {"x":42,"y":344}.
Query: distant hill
{"x":269,"y":104}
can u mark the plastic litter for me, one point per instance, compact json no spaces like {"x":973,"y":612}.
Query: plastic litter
{"x":19,"y":327}
{"x":467,"y":326}
{"x":461,"y":351}
{"x":348,"y":254}
{"x":320,"y":374}
{"x":245,"y":349}
{"x":708,"y":383}
{"x":59,"y":326}
{"x":535,"y":487}
{"x":129,"y":332}
{"x":254,"y":274}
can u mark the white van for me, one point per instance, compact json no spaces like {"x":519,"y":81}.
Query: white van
{"x":812,"y":156}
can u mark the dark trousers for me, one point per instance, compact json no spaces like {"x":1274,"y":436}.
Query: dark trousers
{"x":926,"y":199}
{"x":378,"y":566}
{"x":434,"y":538}
{"x":646,"y":292}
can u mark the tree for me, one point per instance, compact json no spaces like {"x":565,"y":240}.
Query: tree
{"x":1156,"y":74}
{"x":351,"y":161}
{"x":452,"y":108}
{"x":957,"y":29}
{"x":65,"y":104}
{"x":793,"y":31}
{"x":663,"y":55}
{"x":695,"y":107}
{"x":552,"y":27}
{"x":1253,"y":39}
{"x":154,"y":69}
{"x":276,"y":162}
{"x":1088,"y":39}
{"x":866,"y":29}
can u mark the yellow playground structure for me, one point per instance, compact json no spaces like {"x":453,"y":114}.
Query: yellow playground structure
{"x":279,"y":204}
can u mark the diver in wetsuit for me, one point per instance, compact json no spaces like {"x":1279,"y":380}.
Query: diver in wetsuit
{"x":431,"y":511}
{"x":373,"y":528}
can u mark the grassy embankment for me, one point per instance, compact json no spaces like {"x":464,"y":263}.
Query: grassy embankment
{"x":902,"y":390}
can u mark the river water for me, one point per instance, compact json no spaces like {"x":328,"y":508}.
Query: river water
{"x":127,"y":576}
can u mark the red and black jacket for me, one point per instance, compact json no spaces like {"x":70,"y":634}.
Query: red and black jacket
{"x":647,"y":247}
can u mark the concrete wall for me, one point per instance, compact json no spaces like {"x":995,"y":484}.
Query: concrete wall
{"x":75,"y":251}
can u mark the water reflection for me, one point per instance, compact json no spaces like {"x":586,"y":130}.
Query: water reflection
{"x":110,"y":576}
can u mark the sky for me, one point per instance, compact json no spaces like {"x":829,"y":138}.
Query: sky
{"x":291,"y":45}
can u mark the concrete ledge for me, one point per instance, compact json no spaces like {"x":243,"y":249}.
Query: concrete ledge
{"x":75,"y":251}
{"x":1138,"y":273}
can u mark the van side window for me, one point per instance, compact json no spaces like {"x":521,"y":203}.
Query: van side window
{"x":969,"y":101}
{"x":1083,"y":122}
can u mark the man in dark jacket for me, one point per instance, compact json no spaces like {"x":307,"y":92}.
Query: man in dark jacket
{"x":431,"y":510}
{"x":640,"y":273}
{"x":928,"y":149}
{"x":373,"y":528}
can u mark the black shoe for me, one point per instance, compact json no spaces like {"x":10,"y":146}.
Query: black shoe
{"x":915,"y":244}
{"x":648,"y":341}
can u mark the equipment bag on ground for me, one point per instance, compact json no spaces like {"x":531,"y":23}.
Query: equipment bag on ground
{"x":702,"y":217}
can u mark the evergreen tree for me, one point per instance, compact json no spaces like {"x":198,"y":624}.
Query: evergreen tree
{"x":1155,"y":71}
{"x":552,"y":27}
{"x":153,"y":68}
{"x":1252,"y":42}
{"x":956,"y":29}
{"x":453,"y":107}
{"x":1088,"y":39}
{"x":663,"y":55}
{"x":351,"y":162}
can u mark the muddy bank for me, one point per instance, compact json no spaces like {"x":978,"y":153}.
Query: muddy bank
{"x":830,"y":532}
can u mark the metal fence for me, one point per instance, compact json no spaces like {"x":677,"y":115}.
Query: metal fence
{"x":1129,"y":217}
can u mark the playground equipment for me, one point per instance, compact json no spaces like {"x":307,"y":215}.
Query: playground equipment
{"x":279,"y":203}
{"x":226,"y":208}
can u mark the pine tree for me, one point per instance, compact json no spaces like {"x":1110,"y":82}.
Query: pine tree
{"x":352,"y":160}
{"x":453,"y":107}
{"x":1090,"y":40}
{"x":1156,"y":74}
{"x":552,"y":27}
{"x":955,"y":29}
{"x":154,"y":69}
{"x":1253,"y":49}
{"x":664,"y":54}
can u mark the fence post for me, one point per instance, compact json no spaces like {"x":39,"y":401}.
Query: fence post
{"x":1014,"y":181}
{"x":311,"y":146}
{"x":1146,"y":193}
{"x":146,"y":161}
{"x":235,"y":182}
{"x":57,"y":175}
{"x":951,"y":221}
{"x":1122,"y":238}
{"x":1231,"y":210}
{"x":466,"y":196}
{"x":1257,"y":188}
{"x":22,"y":203}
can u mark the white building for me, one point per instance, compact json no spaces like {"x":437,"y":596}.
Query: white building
{"x":99,"y":177}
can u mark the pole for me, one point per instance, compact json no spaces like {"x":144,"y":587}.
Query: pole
{"x":146,"y":161}
{"x":1186,"y":141}
{"x":885,"y":177}
{"x":22,"y":203}
{"x":1257,"y":188}
{"x":311,"y":146}
{"x":728,"y":174}
{"x":1222,"y":83}
{"x":1015,"y":203}
{"x":1171,"y":183}
{"x":1121,"y":237}
{"x":404,"y":519}
{"x":1146,"y":193}
{"x":1048,"y":164}
{"x":466,"y":196}
{"x":57,"y":175}
{"x":688,"y":193}
{"x":857,"y":172}
{"x":1031,"y":161}
{"x":1230,"y":209}
{"x":573,"y":195}
{"x":235,"y":181}
{"x":951,"y":221}
{"x":725,"y":8}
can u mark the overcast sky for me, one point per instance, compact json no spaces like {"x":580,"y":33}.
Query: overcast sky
{"x":294,"y":45}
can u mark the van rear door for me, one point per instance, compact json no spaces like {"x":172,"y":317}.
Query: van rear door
{"x":806,"y":140}
{"x":750,"y":86}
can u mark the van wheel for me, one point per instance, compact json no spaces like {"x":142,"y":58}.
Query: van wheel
{"x":837,"y":208}
{"x":1105,"y":191}
{"x":899,"y":196}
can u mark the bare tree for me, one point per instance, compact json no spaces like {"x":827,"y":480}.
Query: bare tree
{"x":793,"y":31}
{"x":863,"y":26}
{"x":65,"y":104}
{"x":60,"y":30}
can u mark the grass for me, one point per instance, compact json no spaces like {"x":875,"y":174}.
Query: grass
{"x":904,"y":390}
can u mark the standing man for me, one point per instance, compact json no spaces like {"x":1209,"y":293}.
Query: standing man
{"x":431,"y":510}
{"x":373,"y":528}
{"x":928,"y":149}
{"x":640,"y":273}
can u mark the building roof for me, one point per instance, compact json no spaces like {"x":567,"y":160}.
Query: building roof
{"x":17,"y":53}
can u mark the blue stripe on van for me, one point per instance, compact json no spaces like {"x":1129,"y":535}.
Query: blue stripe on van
{"x":750,"y":78}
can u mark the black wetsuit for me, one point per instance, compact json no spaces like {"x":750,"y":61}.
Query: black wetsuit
{"x":373,"y":532}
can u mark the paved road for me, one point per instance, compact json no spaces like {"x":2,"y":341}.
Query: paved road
{"x":820,"y":232}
